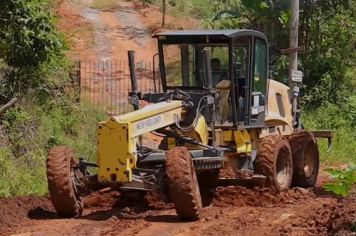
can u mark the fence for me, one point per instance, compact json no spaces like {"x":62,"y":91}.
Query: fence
{"x":107,"y":83}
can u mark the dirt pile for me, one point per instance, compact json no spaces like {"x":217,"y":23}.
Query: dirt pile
{"x":258,"y":197}
{"x":15,"y":211}
{"x":337,"y":220}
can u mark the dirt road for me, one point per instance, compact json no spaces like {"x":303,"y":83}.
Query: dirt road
{"x":234,"y":211}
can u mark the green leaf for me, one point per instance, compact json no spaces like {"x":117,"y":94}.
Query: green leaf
{"x":263,"y":5}
{"x":226,"y":14}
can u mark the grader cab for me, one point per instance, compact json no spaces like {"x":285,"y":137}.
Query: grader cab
{"x":217,"y":109}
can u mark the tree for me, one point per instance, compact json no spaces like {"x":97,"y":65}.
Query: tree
{"x":164,"y":8}
{"x":30,"y":43}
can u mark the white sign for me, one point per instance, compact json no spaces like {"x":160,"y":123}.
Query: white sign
{"x":297,"y":75}
{"x":154,"y":120}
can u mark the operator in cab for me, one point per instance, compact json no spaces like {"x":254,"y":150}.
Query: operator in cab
{"x":217,"y":74}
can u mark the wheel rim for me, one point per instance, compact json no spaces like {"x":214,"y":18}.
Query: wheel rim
{"x":80,"y":200}
{"x":281,"y":168}
{"x":308,"y":161}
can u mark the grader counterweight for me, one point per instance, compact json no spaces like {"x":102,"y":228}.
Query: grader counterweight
{"x":210,"y":119}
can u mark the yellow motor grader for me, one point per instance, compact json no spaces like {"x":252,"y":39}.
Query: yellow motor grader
{"x":209,"y":119}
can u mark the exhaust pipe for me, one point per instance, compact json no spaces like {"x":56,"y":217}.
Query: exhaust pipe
{"x":133,"y":100}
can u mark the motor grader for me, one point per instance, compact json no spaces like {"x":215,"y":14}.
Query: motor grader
{"x":235,"y":118}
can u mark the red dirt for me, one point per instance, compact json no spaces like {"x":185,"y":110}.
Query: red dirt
{"x":17,"y":210}
{"x":234,"y":211}
{"x":77,"y":30}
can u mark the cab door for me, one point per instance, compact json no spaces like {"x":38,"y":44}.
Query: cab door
{"x":258,"y":84}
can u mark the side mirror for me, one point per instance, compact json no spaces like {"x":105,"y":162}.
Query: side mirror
{"x":237,"y":68}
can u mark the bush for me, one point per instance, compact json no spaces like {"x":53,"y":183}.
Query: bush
{"x":32,"y":61}
{"x":341,"y":119}
{"x":32,"y":132}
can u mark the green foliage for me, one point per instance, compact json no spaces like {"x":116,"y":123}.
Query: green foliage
{"x":30,"y":43}
{"x":32,"y":132}
{"x":32,"y":61}
{"x":343,"y":180}
{"x":341,"y":119}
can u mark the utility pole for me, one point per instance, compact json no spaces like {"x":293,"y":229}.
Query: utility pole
{"x":293,"y":74}
{"x":293,"y":41}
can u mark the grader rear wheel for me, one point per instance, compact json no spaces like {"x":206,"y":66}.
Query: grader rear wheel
{"x":60,"y":176}
{"x":305,"y":154}
{"x":274,"y":160}
{"x":183,"y":184}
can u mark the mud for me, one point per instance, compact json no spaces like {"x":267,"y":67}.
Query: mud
{"x":19,"y":210}
{"x":259,"y":197}
{"x":235,"y":173}
{"x":183,"y":183}
{"x":234,"y":211}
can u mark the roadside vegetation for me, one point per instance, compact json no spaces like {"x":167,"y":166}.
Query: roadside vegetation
{"x":33,"y":63}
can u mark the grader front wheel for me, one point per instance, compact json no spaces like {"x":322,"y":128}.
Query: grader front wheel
{"x":60,"y":176}
{"x":183,"y":184}
{"x":305,"y":158}
{"x":274,"y":160}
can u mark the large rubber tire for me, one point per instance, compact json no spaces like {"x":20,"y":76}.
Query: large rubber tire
{"x":60,"y":161}
{"x":305,"y":154}
{"x":183,"y":184}
{"x":208,"y":181}
{"x":274,"y":160}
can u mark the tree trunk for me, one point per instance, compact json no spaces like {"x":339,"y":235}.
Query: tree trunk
{"x":163,"y":13}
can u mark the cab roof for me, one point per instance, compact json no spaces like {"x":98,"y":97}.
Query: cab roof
{"x":202,"y":36}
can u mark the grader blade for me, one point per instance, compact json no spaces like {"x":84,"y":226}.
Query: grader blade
{"x":248,"y":182}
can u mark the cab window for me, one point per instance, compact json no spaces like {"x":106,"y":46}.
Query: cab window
{"x":259,"y":81}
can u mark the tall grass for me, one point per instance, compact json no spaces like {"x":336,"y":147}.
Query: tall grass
{"x":33,"y":132}
{"x":343,"y":121}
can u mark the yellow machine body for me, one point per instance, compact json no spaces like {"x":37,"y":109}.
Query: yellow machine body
{"x":278,"y":109}
{"x":117,"y":137}
{"x":199,"y":133}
